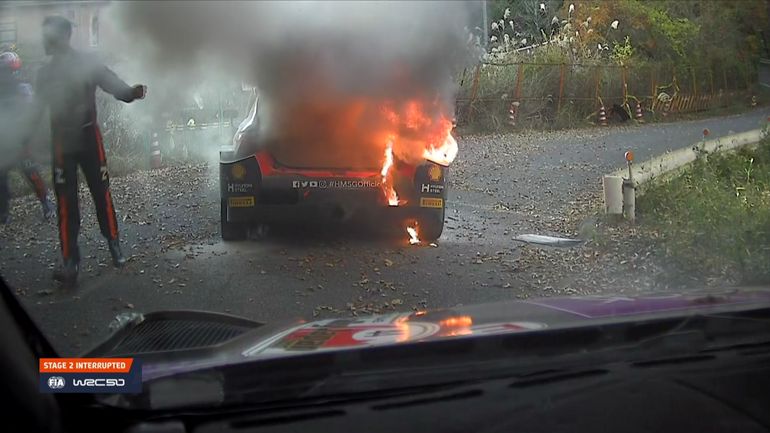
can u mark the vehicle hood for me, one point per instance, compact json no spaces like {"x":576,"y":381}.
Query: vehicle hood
{"x":173,"y":342}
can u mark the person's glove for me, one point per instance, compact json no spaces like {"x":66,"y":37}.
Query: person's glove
{"x":140,"y":91}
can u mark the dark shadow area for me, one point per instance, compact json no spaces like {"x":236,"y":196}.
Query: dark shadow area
{"x":333,"y":234}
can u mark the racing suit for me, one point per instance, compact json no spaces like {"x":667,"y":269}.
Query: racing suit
{"x":16,"y":109}
{"x":67,"y":86}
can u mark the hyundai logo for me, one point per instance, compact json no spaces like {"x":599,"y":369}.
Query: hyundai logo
{"x":56,"y":382}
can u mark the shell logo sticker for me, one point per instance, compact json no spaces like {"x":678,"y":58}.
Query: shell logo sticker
{"x":238,"y":171}
{"x":434,"y":173}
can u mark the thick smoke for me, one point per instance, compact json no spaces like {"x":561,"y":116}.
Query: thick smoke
{"x":323,"y":69}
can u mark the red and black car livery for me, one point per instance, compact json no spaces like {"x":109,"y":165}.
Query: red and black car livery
{"x":263,"y":185}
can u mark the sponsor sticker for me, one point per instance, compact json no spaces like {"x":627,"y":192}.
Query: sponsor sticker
{"x":331,"y":334}
{"x":241,"y":201}
{"x":429,"y":188}
{"x":436,"y":203}
{"x":240,"y":187}
{"x":90,"y":375}
{"x":434,"y":173}
{"x":238,"y":171}
{"x":345,"y":333}
{"x":337,"y":184}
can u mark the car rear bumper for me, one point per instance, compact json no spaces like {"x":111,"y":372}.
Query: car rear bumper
{"x":321,"y":213}
{"x":252,"y":193}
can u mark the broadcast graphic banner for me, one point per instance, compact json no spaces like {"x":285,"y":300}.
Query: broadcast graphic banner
{"x":90,"y":375}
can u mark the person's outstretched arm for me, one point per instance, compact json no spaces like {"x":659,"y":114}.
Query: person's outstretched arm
{"x":112,"y":84}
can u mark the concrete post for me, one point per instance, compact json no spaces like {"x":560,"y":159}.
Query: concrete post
{"x":613,"y":195}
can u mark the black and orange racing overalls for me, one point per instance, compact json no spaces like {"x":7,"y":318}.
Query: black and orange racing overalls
{"x":67,"y":85}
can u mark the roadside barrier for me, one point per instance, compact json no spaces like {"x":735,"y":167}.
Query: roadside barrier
{"x":602,"y":116}
{"x":513,"y":112}
{"x":156,"y":160}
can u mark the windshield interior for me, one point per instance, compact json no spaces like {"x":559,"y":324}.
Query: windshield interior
{"x":598,"y":159}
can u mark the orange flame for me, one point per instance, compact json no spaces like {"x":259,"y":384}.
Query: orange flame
{"x":413,"y":239}
{"x":421,"y":131}
{"x":444,"y":154}
{"x":387,"y":187}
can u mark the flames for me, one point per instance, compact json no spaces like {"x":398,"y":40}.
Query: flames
{"x":444,"y":154}
{"x":413,"y":239}
{"x":416,"y":132}
{"x":421,"y":131}
{"x":387,"y":179}
{"x":382,"y":135}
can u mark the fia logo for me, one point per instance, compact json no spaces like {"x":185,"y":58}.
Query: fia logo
{"x":56,"y":382}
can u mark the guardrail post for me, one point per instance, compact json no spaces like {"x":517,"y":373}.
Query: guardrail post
{"x":629,"y":191}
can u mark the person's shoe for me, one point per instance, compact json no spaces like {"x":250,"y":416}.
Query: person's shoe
{"x":67,"y":274}
{"x":49,"y":210}
{"x":117,"y":255}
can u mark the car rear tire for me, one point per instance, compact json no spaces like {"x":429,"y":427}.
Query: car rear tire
{"x":231,"y":231}
{"x":430,"y":226}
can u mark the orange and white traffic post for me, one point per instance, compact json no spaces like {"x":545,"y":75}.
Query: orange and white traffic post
{"x":155,"y":156}
{"x":513,"y":112}
{"x":639,"y":116}
{"x":602,"y":116}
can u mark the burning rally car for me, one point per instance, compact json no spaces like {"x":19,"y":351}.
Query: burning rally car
{"x":338,"y":162}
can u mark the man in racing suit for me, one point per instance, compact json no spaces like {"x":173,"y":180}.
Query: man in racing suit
{"x":15,"y":113}
{"x":67,"y":85}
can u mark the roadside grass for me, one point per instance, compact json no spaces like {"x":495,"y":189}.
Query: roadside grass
{"x":711,"y":222}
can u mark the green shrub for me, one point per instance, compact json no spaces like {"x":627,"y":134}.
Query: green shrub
{"x":713,"y":219}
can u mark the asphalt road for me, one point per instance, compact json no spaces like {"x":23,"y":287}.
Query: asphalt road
{"x":501,"y":186}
